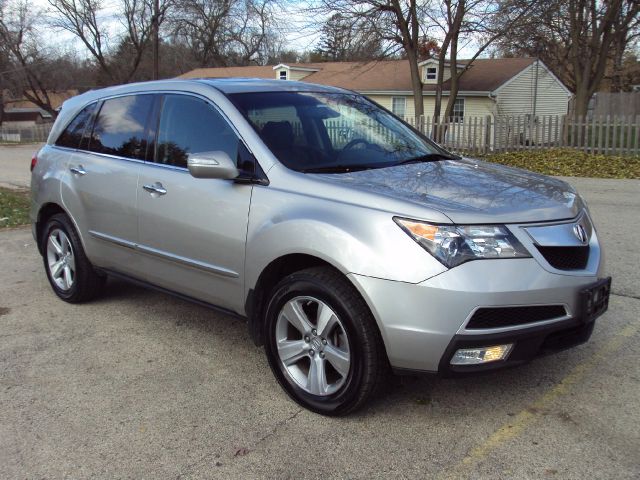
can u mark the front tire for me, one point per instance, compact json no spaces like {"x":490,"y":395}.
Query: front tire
{"x":71,"y":275}
{"x":322,"y":343}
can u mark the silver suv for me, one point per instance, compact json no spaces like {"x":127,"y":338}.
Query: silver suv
{"x":351,"y":243}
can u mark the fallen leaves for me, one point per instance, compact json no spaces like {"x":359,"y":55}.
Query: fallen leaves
{"x":570,"y":163}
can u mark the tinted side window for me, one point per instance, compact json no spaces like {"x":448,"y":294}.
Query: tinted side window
{"x":73,"y":133}
{"x":120,"y":128}
{"x":190,"y":125}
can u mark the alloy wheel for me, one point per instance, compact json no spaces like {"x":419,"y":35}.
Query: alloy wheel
{"x":312,"y":345}
{"x":61,"y":259}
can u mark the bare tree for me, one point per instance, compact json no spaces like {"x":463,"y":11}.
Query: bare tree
{"x":469,"y":22}
{"x":396,"y":22}
{"x":4,"y":69}
{"x":82,"y":19}
{"x":578,"y":39}
{"x":225,"y":32}
{"x":348,"y":39}
{"x":27,"y":72}
{"x":626,"y":31}
{"x":139,"y":18}
{"x":252,"y":31}
{"x":592,"y":33}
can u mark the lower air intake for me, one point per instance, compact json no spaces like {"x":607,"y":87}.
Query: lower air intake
{"x":509,"y":316}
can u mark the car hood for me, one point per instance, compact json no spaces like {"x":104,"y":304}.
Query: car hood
{"x":469,"y":191}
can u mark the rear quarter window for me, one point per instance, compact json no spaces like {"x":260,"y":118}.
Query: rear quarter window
{"x":72,"y":135}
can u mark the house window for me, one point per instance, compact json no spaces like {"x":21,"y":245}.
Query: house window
{"x":431,"y":73}
{"x":458,"y":110}
{"x":283,"y":75}
{"x":399,"y":106}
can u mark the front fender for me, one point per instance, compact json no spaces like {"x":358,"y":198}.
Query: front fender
{"x":352,"y":238}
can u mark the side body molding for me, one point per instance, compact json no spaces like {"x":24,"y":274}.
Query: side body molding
{"x":166,"y":255}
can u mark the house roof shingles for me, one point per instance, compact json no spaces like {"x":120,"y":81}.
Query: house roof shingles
{"x":21,"y":116}
{"x":57,"y":98}
{"x":485,"y":75}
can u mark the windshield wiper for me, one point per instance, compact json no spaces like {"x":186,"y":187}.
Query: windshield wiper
{"x":429,"y":157}
{"x":337,"y":169}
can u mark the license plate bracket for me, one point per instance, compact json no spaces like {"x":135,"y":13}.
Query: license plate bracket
{"x":594,"y":300}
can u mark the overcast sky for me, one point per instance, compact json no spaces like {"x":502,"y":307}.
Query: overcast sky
{"x":295,"y":26}
{"x":298,"y":34}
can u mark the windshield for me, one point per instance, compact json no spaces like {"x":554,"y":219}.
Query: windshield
{"x":332,"y":132}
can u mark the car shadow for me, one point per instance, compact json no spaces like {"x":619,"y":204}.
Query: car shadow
{"x":503,"y":391}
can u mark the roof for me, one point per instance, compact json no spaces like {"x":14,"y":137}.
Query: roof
{"x":485,"y":75}
{"x":244,"y":85}
{"x":37,"y":110}
{"x":57,"y":98}
{"x":224,"y":85}
{"x":22,"y":116}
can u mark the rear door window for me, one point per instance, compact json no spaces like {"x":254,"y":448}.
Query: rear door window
{"x":121,"y":127}
{"x":72,"y":135}
{"x":191,"y":125}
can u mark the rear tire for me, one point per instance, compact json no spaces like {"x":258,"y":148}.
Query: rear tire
{"x":322,"y":342}
{"x":71,"y":275}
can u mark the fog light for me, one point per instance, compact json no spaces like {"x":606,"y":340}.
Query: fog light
{"x":474,"y":356}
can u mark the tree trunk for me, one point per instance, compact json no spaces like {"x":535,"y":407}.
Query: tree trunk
{"x":416,"y":83}
{"x":438,"y":100}
{"x":453,"y":89}
{"x":581,"y":102}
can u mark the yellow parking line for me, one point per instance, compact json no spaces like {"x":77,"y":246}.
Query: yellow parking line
{"x":527,"y":416}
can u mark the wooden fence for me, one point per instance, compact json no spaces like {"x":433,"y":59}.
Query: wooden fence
{"x":609,"y":135}
{"x":32,"y":134}
{"x":614,"y":103}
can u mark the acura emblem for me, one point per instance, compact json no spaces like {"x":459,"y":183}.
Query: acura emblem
{"x":580,"y":233}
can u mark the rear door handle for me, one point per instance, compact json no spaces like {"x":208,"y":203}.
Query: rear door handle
{"x":79,"y":170}
{"x":155,"y":188}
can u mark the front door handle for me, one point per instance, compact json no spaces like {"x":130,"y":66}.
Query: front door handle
{"x":156,"y":188}
{"x":79,"y":170}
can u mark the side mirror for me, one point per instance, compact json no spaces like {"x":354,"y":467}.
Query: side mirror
{"x":212,"y":165}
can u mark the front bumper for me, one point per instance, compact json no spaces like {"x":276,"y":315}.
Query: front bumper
{"x":528,"y":343}
{"x":423,"y":324}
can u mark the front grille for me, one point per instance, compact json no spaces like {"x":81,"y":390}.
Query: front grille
{"x":566,"y":258}
{"x":509,"y":316}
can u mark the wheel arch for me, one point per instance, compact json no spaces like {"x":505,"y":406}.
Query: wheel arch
{"x":276,"y":270}
{"x":269,"y":277}
{"x":46,"y":211}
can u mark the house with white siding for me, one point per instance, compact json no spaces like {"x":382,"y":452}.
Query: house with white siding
{"x":490,"y":87}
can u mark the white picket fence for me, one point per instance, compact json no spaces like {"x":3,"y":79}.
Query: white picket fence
{"x":609,"y":135}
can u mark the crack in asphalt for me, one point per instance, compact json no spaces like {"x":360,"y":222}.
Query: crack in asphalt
{"x":277,"y":426}
{"x":624,"y":295}
{"x":189,"y":469}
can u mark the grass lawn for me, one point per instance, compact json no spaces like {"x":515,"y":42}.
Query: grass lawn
{"x":14,"y":208}
{"x":570,"y":163}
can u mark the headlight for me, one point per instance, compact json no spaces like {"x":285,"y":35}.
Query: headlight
{"x":453,"y":245}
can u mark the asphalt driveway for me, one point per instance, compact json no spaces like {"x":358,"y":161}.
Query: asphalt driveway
{"x":139,"y":384}
{"x":14,"y":165}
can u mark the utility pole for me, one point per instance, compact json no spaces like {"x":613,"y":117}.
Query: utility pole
{"x":1,"y":103}
{"x":156,"y":40}
{"x":535,"y":100}
{"x":535,"y":87}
